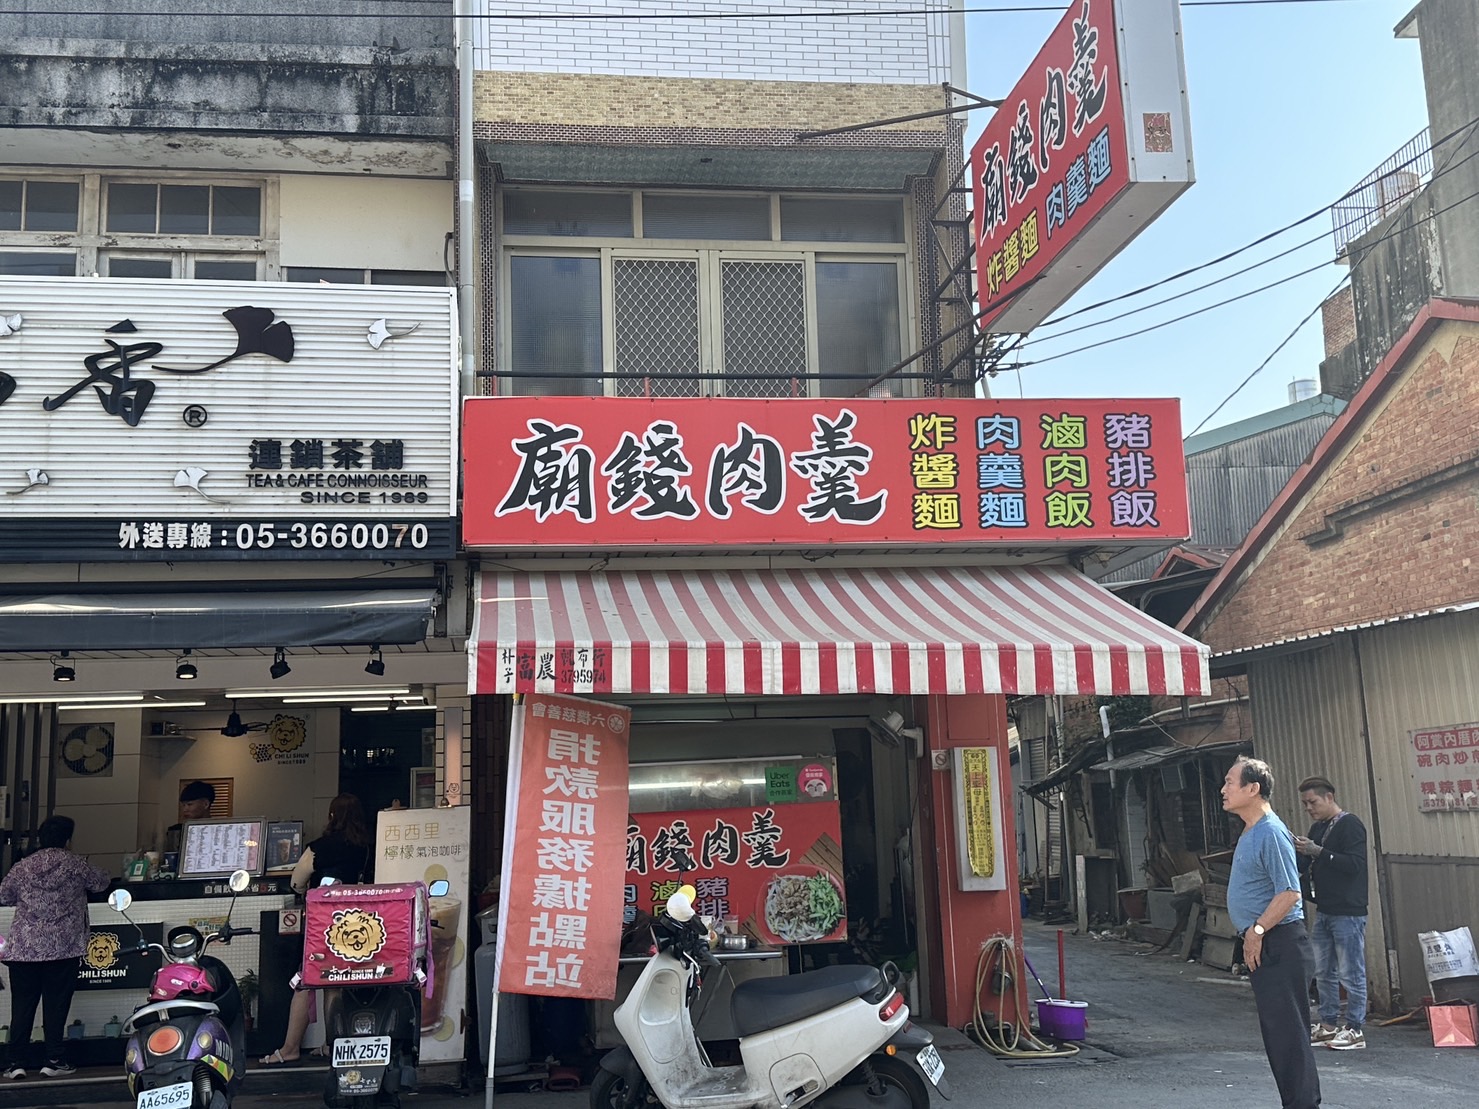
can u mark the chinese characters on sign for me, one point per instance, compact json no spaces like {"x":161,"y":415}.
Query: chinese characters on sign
{"x":559,"y":933}
{"x":738,"y":860}
{"x":596,"y":471}
{"x":1053,"y":156}
{"x":1445,"y":768}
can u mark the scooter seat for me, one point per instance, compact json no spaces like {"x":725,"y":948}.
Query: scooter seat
{"x":764,"y":1003}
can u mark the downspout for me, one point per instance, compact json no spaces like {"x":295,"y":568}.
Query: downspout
{"x":466,"y":196}
{"x":1384,"y":888}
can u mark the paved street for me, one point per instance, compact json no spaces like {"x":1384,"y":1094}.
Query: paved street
{"x":1162,"y":1034}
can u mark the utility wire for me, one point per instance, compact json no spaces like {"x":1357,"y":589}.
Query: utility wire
{"x":1241,"y":296}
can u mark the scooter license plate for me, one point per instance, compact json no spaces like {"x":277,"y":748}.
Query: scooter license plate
{"x":931,"y":1063}
{"x":179,"y":1096}
{"x":362,"y":1051}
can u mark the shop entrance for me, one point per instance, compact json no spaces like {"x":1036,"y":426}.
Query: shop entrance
{"x":385,"y":758}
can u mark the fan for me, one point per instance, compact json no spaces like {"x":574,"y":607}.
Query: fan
{"x":235,"y":729}
{"x":88,"y":749}
{"x":889,"y":730}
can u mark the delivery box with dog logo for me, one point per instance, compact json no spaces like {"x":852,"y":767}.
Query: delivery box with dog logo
{"x":365,"y":934}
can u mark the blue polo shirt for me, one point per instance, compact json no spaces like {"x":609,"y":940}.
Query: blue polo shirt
{"x":1264,"y":866}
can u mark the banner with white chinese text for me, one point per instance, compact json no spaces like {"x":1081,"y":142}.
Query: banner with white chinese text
{"x":559,"y":927}
{"x":595,"y":472}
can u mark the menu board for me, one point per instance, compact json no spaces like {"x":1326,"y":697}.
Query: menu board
{"x":214,"y":847}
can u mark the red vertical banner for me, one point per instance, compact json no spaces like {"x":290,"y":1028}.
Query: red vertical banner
{"x":564,"y":848}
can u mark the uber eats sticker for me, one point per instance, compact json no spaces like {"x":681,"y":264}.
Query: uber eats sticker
{"x":104,"y":968}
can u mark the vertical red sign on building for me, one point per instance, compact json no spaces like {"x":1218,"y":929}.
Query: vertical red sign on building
{"x":559,"y":928}
{"x":1053,"y":156}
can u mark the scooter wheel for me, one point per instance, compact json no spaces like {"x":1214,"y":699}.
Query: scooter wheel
{"x":611,"y":1091}
{"x":898,"y":1074}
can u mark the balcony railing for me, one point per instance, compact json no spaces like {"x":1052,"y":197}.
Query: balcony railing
{"x":1383,"y":191}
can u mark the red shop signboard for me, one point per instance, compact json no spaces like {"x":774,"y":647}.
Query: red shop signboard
{"x":595,"y":472}
{"x":777,"y":869}
{"x":563,"y":834}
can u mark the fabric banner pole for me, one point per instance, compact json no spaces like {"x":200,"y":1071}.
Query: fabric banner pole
{"x":510,"y":821}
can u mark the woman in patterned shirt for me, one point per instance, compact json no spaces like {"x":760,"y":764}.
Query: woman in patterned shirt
{"x":49,"y":889}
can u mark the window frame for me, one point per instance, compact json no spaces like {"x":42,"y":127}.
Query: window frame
{"x":710,"y":254}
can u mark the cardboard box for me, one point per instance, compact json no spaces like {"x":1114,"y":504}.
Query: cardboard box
{"x":1454,"y":1023}
{"x":364,"y":934}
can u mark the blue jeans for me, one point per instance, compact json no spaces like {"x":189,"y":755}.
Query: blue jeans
{"x":1340,"y":960}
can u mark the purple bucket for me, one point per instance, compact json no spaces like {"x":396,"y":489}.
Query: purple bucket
{"x":1063,"y":1020}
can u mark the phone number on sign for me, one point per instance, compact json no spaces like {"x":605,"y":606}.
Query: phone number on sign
{"x":339,"y":537}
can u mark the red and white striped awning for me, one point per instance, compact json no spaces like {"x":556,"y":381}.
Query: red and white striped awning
{"x":894,"y":631}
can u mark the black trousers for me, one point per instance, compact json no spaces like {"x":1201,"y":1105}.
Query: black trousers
{"x":1281,"y":988}
{"x":50,"y":984}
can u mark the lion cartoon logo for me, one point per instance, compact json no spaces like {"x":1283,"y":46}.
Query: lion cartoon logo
{"x":287,"y":733}
{"x":355,"y":935}
{"x":102,"y":950}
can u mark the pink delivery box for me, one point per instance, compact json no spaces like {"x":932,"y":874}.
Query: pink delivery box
{"x":354,"y":934}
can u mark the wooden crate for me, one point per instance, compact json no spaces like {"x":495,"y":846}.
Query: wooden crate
{"x":1214,"y":895}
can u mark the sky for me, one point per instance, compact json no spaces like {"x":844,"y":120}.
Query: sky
{"x":1291,"y":105}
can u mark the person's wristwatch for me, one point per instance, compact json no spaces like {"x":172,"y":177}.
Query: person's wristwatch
{"x":1259,"y":929}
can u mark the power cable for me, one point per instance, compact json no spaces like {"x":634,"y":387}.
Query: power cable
{"x":1219,"y":304}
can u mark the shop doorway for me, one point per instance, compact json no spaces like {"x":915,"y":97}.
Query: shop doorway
{"x":380,"y":754}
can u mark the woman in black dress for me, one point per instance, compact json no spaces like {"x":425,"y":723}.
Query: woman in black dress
{"x":342,"y":853}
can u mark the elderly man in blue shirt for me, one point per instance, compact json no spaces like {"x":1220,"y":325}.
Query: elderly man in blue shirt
{"x":1265,"y":903}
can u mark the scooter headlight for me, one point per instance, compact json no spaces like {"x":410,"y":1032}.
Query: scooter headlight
{"x":364,"y":1023}
{"x":164,"y":1039}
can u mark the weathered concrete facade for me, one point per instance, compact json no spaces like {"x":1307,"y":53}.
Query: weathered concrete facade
{"x":257,"y":67}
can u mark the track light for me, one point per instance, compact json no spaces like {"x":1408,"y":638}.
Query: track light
{"x":279,"y":667}
{"x":62,"y":670}
{"x":376,"y":665}
{"x":185,"y":669}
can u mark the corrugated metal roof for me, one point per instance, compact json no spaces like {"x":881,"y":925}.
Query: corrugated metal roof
{"x":1313,"y":638}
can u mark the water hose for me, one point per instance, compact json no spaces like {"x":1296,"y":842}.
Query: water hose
{"x":1001,"y":951}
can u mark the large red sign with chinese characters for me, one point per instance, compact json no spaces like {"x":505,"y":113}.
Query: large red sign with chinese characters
{"x":600,"y":473}
{"x":1052,"y":157}
{"x":564,"y":833}
{"x":774,"y":869}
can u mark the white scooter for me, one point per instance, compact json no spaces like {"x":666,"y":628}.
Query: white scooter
{"x":838,"y":1037}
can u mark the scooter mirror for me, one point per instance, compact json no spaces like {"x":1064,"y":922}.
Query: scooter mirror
{"x":680,"y":908}
{"x":328,"y":881}
{"x":439,"y":888}
{"x":120,"y":900}
{"x":239,"y":881}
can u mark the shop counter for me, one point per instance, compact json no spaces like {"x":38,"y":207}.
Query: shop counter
{"x":716,"y":1022}
{"x":110,"y":987}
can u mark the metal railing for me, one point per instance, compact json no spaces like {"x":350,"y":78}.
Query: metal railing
{"x":1383,"y":191}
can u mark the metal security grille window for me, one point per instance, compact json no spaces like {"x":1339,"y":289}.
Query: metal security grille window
{"x":681,"y":295}
{"x":119,"y":226}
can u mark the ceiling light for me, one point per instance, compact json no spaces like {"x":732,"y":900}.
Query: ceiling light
{"x":370,"y":708}
{"x":121,"y":699}
{"x":278,"y":694}
{"x":335,"y":699}
{"x":62,"y":670}
{"x":376,"y":665}
{"x":100,"y":706}
{"x":185,"y":669}
{"x":279,"y":667}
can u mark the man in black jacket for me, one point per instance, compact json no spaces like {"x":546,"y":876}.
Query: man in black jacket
{"x":1332,"y":860}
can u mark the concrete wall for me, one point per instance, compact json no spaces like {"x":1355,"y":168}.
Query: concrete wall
{"x":254,"y":66}
{"x":1396,"y":268}
{"x":359,"y":223}
{"x":855,"y":41}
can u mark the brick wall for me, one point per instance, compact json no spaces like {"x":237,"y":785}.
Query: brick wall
{"x":1338,"y":319}
{"x":856,"y":42}
{"x":1405,"y":505}
{"x":596,"y":100}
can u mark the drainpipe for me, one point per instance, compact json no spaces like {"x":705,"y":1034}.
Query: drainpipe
{"x":1384,"y":888}
{"x":466,"y":192}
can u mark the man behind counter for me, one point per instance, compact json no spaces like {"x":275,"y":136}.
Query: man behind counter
{"x":196,"y":800}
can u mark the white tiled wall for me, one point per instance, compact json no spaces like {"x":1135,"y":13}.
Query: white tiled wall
{"x":862,"y":45}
